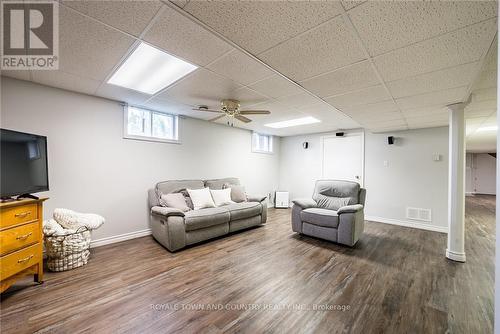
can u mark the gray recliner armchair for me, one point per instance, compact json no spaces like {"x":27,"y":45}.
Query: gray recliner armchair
{"x":335,"y":212}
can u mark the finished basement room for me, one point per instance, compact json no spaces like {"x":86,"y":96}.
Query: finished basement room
{"x":193,"y":166}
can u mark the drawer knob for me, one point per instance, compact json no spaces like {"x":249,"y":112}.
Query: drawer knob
{"x":22,"y":214}
{"x":25,"y":259}
{"x":24,"y":236}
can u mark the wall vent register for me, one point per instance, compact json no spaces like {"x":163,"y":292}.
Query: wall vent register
{"x":419,"y":214}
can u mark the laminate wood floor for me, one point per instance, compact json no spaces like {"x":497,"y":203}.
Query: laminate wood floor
{"x":268,"y":279}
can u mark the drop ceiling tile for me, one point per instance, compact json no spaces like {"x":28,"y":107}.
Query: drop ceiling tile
{"x":457,"y":76}
{"x":248,"y":97}
{"x":128,"y":16}
{"x":487,"y":79}
{"x":122,"y":94}
{"x":17,"y":74}
{"x":443,"y":98}
{"x":424,"y":112}
{"x":363,"y":96}
{"x":455,"y":48}
{"x":349,"y":4}
{"x":278,"y":111}
{"x":179,"y":3}
{"x":87,"y":48}
{"x":60,"y":79}
{"x":276,"y":86}
{"x":480,"y":108}
{"x":388,"y":25}
{"x":385,"y":129}
{"x":177,"y":108}
{"x":384,"y":124}
{"x":329,"y":115}
{"x":484,"y":94}
{"x":240,"y":67}
{"x":182,"y":37}
{"x":442,"y":116}
{"x":416,"y":124}
{"x":376,"y":117}
{"x":343,"y":80}
{"x":373,"y":108}
{"x":259,"y":25}
{"x":201,"y":88}
{"x":299,"y":100}
{"x":325,"y":48}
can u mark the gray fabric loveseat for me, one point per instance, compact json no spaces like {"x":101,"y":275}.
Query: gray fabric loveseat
{"x":175,"y":229}
{"x":335,"y":212}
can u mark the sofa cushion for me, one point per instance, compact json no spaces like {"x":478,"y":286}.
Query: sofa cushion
{"x":320,"y":217}
{"x":238,"y":194}
{"x":175,"y":200}
{"x":203,"y":218}
{"x":244,"y":210}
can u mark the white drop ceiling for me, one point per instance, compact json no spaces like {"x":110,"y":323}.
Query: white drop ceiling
{"x":381,"y":65}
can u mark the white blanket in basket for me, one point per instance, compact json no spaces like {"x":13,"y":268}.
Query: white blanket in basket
{"x":74,"y":220}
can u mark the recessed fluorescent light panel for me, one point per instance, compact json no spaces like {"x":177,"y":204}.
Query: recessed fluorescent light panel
{"x":488,"y":128}
{"x":148,"y":70}
{"x":293,"y":122}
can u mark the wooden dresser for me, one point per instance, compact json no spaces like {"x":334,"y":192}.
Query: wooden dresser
{"x":21,"y":241}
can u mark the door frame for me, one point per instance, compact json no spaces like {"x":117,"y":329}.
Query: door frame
{"x":360,"y":133}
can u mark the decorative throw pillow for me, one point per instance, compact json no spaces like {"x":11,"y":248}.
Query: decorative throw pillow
{"x":222,"y":196}
{"x":238,"y":194}
{"x":332,"y":203}
{"x":189,"y":202}
{"x":175,"y":200}
{"x":201,"y":198}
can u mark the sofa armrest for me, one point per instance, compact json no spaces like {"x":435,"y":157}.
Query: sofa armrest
{"x":350,"y":209}
{"x":305,"y":203}
{"x":256,"y":198}
{"x":166,"y":211}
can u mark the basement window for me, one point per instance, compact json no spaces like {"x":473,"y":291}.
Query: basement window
{"x":262,"y":143}
{"x":145,"y":124}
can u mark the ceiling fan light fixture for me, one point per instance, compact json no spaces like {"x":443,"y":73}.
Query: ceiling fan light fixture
{"x":293,"y":122}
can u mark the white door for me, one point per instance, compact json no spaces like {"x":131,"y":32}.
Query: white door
{"x":343,"y":157}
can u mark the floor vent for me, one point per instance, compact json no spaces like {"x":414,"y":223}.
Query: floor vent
{"x":419,"y":214}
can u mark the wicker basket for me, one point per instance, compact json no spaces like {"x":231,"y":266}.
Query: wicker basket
{"x":70,"y":251}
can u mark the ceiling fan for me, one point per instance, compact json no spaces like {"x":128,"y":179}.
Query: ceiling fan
{"x":231,"y":109}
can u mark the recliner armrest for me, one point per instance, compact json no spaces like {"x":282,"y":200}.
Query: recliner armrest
{"x":305,"y":203}
{"x":166,"y":211}
{"x":350,"y":209}
{"x":256,"y":198}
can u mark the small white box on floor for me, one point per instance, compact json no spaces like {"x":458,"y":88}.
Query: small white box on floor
{"x":282,"y":200}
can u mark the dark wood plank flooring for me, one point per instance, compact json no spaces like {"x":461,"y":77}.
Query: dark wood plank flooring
{"x":396,"y":280}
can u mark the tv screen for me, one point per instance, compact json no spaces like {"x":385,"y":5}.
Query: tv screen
{"x":23,"y":163}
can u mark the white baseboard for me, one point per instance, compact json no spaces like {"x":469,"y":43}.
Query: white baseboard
{"x":408,"y":223}
{"x":120,"y":237}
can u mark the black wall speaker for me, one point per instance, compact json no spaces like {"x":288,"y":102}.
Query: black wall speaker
{"x":305,"y":145}
{"x":339,"y":134}
{"x":390,"y":140}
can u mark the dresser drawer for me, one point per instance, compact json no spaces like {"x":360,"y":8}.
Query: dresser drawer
{"x":18,"y":237}
{"x":18,"y":215}
{"x":15,"y":262}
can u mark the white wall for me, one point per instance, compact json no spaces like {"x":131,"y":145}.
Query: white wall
{"x":411,"y":177}
{"x":93,"y":169}
{"x":481,"y":174}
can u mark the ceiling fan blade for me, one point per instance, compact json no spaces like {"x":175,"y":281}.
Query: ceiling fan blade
{"x":243,"y":118}
{"x":216,"y":118}
{"x":255,"y":112}
{"x":209,"y":110}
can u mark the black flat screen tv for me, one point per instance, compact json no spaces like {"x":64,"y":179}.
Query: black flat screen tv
{"x":23,"y":163}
